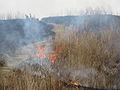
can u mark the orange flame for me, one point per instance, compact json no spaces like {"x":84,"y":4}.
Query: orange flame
{"x":74,"y":83}
{"x":51,"y":57}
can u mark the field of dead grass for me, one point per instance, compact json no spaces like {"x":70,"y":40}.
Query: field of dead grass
{"x":90,"y":58}
{"x":95,"y":50}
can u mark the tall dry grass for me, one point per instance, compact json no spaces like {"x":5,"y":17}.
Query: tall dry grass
{"x":98,"y":51}
{"x":16,"y":80}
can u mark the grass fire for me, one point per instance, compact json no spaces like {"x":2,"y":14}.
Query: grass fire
{"x":60,"y":53}
{"x":51,"y":57}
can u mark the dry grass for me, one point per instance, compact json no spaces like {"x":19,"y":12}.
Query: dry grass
{"x":98,"y":51}
{"x":16,"y":80}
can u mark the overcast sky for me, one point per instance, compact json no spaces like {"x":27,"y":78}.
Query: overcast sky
{"x":43,"y":8}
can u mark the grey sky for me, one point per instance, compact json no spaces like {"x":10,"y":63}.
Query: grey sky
{"x":43,"y":8}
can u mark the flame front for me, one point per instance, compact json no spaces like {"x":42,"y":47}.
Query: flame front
{"x":51,"y":57}
{"x":74,"y":83}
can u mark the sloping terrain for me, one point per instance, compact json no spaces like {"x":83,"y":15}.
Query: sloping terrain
{"x":93,"y":22}
{"x":17,"y":39}
{"x":89,"y":58}
{"x":90,"y":42}
{"x":90,"y":55}
{"x":20,"y":32}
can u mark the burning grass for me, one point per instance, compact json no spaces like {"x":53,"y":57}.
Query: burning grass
{"x":80,"y":57}
{"x":96,"y":50}
{"x":51,"y":57}
{"x":17,"y":80}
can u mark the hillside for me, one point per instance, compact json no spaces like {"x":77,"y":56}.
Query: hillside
{"x":92,"y":22}
{"x":85,"y":51}
{"x":91,"y":49}
{"x":20,"y":32}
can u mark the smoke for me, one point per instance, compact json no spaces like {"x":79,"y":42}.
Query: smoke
{"x":80,"y":74}
{"x":91,"y":21}
{"x":106,"y":29}
{"x":95,"y":22}
{"x":17,"y":43}
{"x":18,"y":38}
